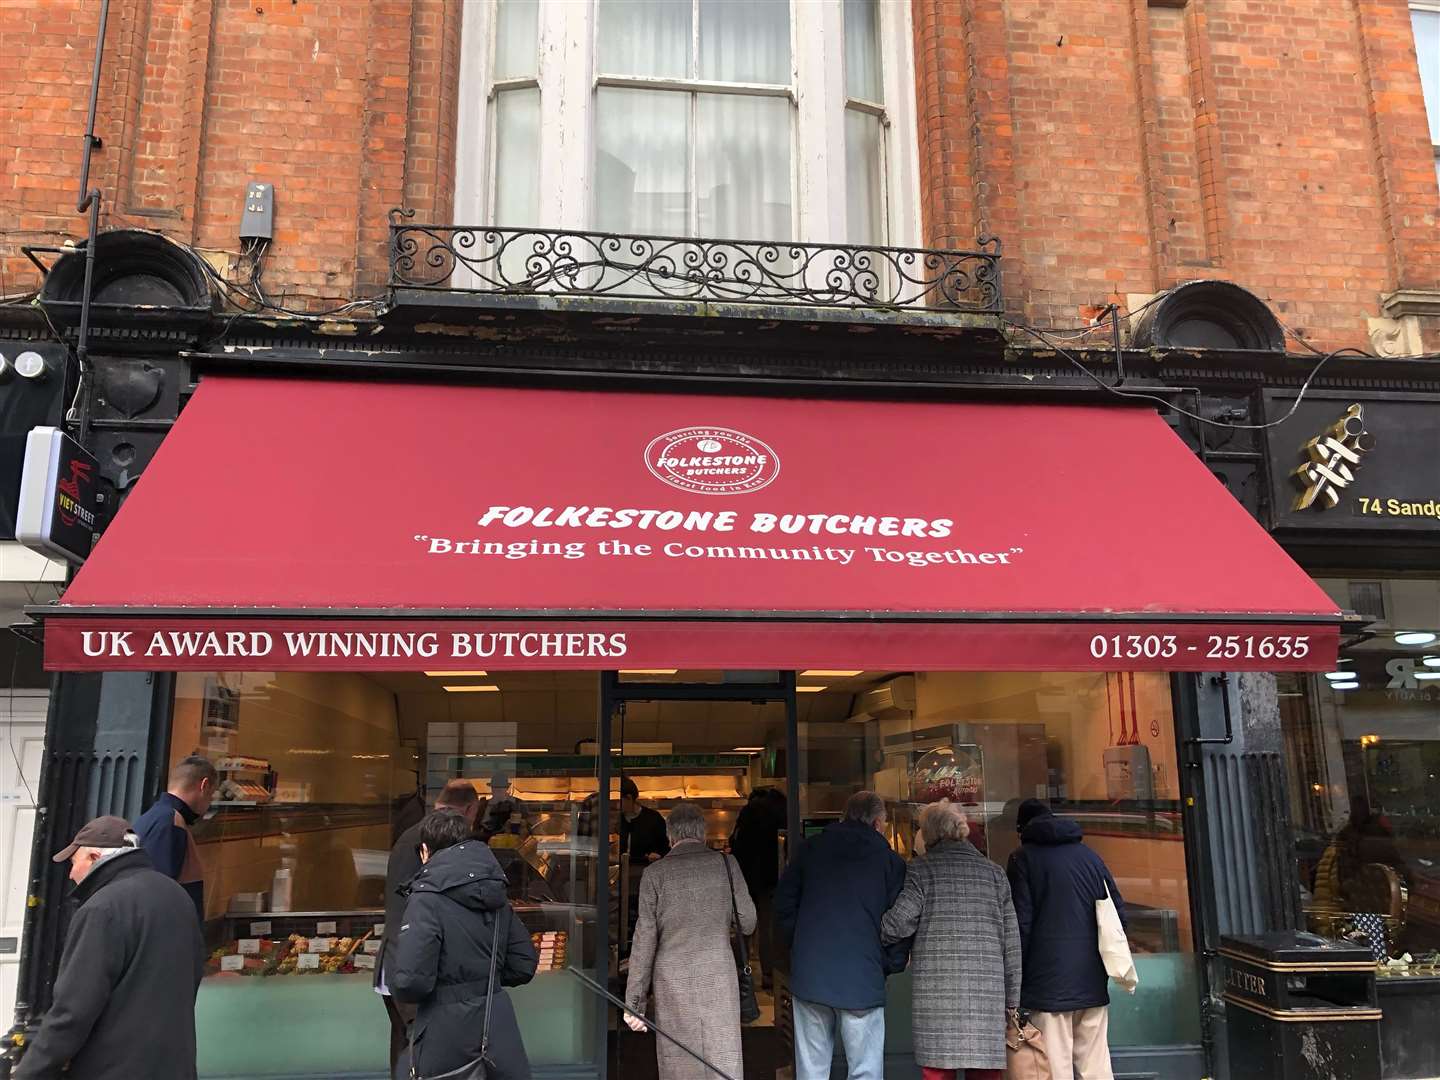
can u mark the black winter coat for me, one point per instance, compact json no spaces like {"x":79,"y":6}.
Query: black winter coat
{"x":400,"y":870}
{"x":440,"y":962}
{"x":124,"y":1004}
{"x":1055,"y":880}
{"x":828,"y":907}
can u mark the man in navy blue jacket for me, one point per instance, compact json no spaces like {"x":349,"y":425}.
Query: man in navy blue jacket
{"x":164,"y":829}
{"x":1055,"y":881}
{"x":828,"y":907}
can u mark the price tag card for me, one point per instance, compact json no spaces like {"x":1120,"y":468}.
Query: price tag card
{"x":260,"y":929}
{"x":319,"y":945}
{"x":325,"y":927}
{"x":249,"y":946}
{"x":379,"y":929}
{"x":232,"y":963}
{"x":308,"y":962}
{"x":371,"y":946}
{"x":365,"y":963}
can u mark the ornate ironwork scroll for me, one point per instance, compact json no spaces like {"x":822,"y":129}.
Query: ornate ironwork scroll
{"x":491,"y":259}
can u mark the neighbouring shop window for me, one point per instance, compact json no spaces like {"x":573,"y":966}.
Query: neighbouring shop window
{"x":1101,"y":748}
{"x":1363,"y":754}
{"x":319,"y":773}
{"x":1425,"y":20}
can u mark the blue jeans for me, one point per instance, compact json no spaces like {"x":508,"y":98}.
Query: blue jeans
{"x":862,"y":1033}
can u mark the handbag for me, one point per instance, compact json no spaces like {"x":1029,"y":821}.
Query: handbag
{"x":1025,"y":1057}
{"x":749,"y":1007}
{"x":479,"y":1069}
{"x":1114,"y":946}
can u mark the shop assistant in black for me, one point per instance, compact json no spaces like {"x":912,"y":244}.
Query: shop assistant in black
{"x":642,"y":829}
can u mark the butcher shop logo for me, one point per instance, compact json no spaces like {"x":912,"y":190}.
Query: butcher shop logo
{"x":712,"y":461}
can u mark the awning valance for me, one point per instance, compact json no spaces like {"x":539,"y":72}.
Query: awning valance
{"x":370,"y":525}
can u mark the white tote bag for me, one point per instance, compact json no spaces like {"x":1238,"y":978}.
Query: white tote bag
{"x":1114,"y":948}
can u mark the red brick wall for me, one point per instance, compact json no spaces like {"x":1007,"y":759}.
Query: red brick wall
{"x":1122,"y":146}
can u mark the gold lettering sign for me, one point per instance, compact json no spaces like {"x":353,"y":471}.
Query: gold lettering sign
{"x":1332,"y":458}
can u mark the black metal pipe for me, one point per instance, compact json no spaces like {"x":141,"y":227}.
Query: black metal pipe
{"x":90,"y":199}
{"x":1222,"y":681}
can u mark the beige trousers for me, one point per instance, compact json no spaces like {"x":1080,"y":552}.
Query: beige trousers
{"x":1076,"y":1043}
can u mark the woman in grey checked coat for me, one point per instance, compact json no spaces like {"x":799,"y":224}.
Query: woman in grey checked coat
{"x":965,"y":963}
{"x":682,"y":953}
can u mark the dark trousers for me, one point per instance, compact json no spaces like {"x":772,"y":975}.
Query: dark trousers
{"x":402,"y":1015}
{"x":765,"y":931}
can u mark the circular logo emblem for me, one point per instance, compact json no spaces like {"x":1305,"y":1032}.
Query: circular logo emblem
{"x":712,"y":461}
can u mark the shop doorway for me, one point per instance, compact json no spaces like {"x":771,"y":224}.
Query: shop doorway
{"x":725,"y":741}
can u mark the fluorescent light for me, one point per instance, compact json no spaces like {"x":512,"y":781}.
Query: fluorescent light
{"x":817,"y":673}
{"x":808,"y":689}
{"x":649,"y":671}
{"x":1431,"y":661}
{"x":1339,"y":676}
{"x":1344,"y":686}
{"x":476,"y":688}
{"x":1422,"y":675}
{"x":527,"y":750}
{"x":1414,"y":637}
{"x":457,"y":674}
{"x":747,"y":750}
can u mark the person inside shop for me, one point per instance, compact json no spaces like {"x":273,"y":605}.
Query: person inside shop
{"x":755,"y":843}
{"x":828,"y":907}
{"x":643,"y":840}
{"x":164,"y":829}
{"x":1055,"y":881}
{"x":1342,"y":878}
{"x":503,"y":812}
{"x":124,"y":997}
{"x":457,"y":797}
{"x":459,"y":946}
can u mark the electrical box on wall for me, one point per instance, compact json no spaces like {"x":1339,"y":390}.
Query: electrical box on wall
{"x":1127,"y":773}
{"x":258,"y":220}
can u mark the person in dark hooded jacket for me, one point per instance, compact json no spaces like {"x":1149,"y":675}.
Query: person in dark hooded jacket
{"x":440,"y":959}
{"x":1055,"y":881}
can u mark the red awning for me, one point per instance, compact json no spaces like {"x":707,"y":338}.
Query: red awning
{"x":366,"y":525}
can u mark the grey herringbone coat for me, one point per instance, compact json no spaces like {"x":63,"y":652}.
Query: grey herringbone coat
{"x":682,"y":953}
{"x":965,"y":964}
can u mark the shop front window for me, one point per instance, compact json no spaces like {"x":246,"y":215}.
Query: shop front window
{"x":1101,"y":748}
{"x":319,"y":774}
{"x":1363,"y":750}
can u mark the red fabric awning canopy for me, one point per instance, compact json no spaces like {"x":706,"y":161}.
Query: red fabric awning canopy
{"x":367,"y":525}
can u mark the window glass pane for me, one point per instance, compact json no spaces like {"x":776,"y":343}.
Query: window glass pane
{"x":644,"y":37}
{"x":1100,"y":748}
{"x":862,"y":51}
{"x":642,"y":145}
{"x":517,"y":157}
{"x":1427,"y":49}
{"x":745,"y":40}
{"x":515,"y":26}
{"x":742,"y":167}
{"x":1362,"y":745}
{"x":864,"y":186}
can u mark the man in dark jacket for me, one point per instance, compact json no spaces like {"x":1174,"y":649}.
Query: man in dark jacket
{"x":440,"y":958}
{"x":164,"y":829}
{"x":458,"y":797}
{"x":1055,"y":881}
{"x":828,"y":907}
{"x":755,"y":843}
{"x":124,"y":1002}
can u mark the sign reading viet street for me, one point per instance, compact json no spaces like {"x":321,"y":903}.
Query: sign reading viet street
{"x":1355,"y":463}
{"x":59,"y":496}
{"x":550,"y":528}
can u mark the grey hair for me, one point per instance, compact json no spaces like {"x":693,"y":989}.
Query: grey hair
{"x":943,"y":821}
{"x":686,"y":822}
{"x":865,"y":806}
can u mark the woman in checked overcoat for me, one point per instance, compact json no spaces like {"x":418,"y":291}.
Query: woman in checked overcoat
{"x":965,"y":964}
{"x":682,"y":952}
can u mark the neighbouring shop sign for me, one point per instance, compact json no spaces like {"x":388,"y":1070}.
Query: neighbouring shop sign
{"x":59,"y":496}
{"x":1355,"y":462}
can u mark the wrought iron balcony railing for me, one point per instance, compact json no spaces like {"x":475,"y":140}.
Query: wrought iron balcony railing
{"x":495,"y":260}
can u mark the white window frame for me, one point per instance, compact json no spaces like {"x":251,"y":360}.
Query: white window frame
{"x":567,"y":80}
{"x":1434,"y":7}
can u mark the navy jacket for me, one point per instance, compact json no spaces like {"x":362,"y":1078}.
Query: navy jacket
{"x":164,"y":832}
{"x":828,"y":907}
{"x":1055,"y":880}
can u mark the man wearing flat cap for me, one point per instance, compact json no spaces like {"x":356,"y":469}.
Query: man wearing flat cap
{"x":124,"y":1001}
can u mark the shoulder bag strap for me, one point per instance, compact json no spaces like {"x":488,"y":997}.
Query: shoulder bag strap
{"x":490,"y":988}
{"x":741,"y":954}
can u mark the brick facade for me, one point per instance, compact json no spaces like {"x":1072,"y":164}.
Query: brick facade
{"x":1116,"y":146}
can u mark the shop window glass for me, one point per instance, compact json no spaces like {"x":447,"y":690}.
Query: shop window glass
{"x":1425,"y":20}
{"x":319,"y":775}
{"x":1101,"y":748}
{"x":1363,"y":753}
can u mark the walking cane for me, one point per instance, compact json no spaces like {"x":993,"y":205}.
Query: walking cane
{"x":597,"y":988}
